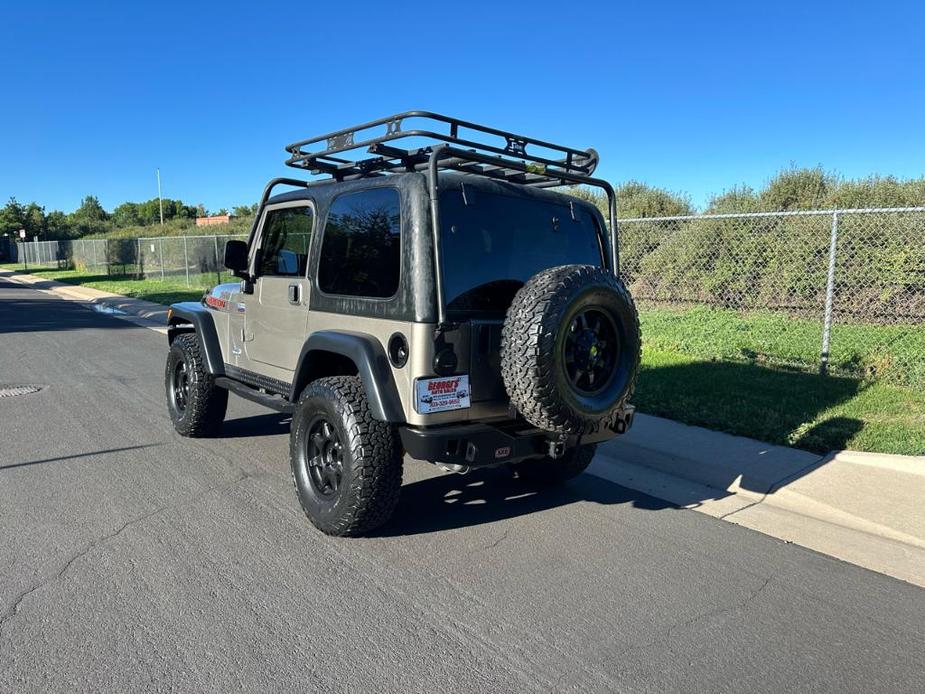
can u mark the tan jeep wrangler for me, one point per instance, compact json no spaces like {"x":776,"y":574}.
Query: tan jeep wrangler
{"x":434,"y":299}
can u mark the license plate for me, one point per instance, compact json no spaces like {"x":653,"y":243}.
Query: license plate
{"x":441,"y":394}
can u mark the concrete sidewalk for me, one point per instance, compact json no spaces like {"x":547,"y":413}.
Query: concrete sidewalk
{"x":864,"y":508}
{"x":145,"y":313}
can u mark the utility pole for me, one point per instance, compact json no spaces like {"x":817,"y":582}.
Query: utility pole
{"x":160,"y":201}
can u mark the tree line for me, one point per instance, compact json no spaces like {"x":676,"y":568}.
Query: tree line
{"x":790,"y":189}
{"x":91,"y":219}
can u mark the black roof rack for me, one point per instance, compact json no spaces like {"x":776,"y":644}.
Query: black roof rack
{"x":439,"y":143}
{"x":510,"y":157}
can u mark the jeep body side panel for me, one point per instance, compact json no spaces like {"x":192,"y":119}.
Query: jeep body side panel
{"x":208,"y":325}
{"x":368,"y":355}
{"x":420,"y":338}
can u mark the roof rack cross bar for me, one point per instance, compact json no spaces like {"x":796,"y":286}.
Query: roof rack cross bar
{"x":560,"y":157}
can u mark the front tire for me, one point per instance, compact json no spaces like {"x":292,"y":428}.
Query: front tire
{"x":195,"y":404}
{"x":346,"y":466}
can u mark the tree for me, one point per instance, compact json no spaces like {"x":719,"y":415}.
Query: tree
{"x":245,"y":210}
{"x":89,"y":218}
{"x":34,"y":221}
{"x":798,"y":189}
{"x":127,"y":214}
{"x":736,"y":199}
{"x":91,"y":210}
{"x":635,"y":199}
{"x":877,"y":191}
{"x":12,"y":217}
{"x":56,"y":225}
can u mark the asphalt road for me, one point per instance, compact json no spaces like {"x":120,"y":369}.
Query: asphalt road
{"x":133,"y":560}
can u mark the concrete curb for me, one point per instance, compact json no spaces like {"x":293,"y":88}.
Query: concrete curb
{"x":864,"y":508}
{"x":145,"y":313}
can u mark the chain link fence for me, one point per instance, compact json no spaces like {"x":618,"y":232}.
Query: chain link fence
{"x":839,"y":291}
{"x":196,"y":261}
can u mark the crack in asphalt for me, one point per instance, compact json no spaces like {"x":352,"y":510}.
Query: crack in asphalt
{"x":717,"y":612}
{"x":686,"y":624}
{"x":13,"y":611}
{"x":496,"y":542}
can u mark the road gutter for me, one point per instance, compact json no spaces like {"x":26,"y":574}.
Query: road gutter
{"x":146,"y":314}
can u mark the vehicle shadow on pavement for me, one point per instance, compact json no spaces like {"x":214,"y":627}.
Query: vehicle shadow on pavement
{"x":452,"y":501}
{"x":270,"y":424}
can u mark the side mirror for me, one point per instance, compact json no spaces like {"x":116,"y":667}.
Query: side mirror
{"x":236,"y":257}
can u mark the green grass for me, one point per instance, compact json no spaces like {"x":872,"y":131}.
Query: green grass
{"x":804,"y":410}
{"x":726,"y":372}
{"x":894,"y":353}
{"x":159,"y":291}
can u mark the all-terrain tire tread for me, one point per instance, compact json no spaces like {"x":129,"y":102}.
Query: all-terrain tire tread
{"x":528,"y":340}
{"x":208,"y":403}
{"x":377,"y":471}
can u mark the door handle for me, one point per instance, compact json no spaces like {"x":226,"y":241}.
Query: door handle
{"x":294,"y":297}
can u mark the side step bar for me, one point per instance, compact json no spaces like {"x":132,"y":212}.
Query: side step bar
{"x":274,"y":402}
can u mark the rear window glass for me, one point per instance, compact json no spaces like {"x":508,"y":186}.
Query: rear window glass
{"x":494,"y":244}
{"x":361,"y":250}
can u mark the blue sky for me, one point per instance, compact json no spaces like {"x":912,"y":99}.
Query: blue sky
{"x":691,"y":96}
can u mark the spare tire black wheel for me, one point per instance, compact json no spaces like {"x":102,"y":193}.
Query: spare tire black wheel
{"x":570,"y":349}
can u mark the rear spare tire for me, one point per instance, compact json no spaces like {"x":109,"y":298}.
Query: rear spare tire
{"x":570,"y":349}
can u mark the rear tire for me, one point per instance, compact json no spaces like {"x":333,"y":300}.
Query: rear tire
{"x":346,"y":466}
{"x":195,"y":404}
{"x":552,"y":471}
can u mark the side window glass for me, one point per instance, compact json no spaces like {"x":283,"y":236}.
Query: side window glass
{"x":361,"y":250}
{"x":285,"y":242}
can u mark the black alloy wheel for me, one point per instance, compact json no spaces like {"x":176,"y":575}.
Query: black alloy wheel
{"x":346,"y":465}
{"x":591,"y":350}
{"x":324,"y":457}
{"x":180,"y":386}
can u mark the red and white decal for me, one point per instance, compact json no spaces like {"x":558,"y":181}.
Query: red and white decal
{"x":442,"y":394}
{"x":215,"y":302}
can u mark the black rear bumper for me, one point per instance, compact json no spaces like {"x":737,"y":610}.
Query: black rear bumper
{"x":482,"y":444}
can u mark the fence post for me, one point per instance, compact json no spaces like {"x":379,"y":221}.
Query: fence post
{"x":829,"y":299}
{"x":139,"y":272}
{"x":160,"y":253}
{"x":218,"y":262}
{"x":186,"y":259}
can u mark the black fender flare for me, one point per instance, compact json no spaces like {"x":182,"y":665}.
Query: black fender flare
{"x":200,"y":318}
{"x":366,"y":352}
